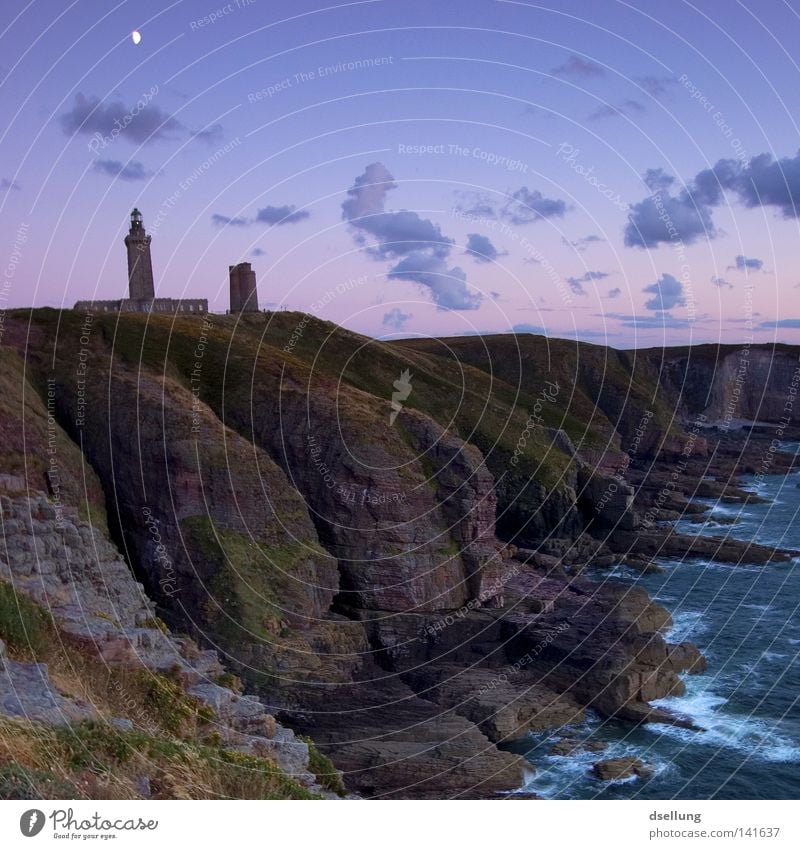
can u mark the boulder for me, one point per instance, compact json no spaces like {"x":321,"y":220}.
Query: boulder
{"x":614,"y":769}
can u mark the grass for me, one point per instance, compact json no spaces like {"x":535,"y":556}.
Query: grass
{"x":99,"y":761}
{"x":322,"y":766}
{"x":173,"y":743}
{"x":253,"y":584}
{"x":24,"y":626}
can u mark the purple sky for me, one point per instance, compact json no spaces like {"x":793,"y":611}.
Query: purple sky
{"x":626,"y":172}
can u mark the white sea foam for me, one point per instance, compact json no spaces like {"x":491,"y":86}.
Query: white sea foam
{"x":755,"y":736}
{"x":686,"y":625}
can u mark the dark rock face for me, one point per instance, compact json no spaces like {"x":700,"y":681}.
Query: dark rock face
{"x":727,"y":383}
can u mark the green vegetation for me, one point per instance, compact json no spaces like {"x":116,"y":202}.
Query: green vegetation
{"x":24,"y":626}
{"x":17,"y":782}
{"x":252,"y":584}
{"x":99,"y":761}
{"x":322,"y":766}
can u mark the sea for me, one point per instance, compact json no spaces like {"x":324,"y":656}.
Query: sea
{"x":745,"y":620}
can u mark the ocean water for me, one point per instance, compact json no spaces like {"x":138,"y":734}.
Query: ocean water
{"x":746,"y":621}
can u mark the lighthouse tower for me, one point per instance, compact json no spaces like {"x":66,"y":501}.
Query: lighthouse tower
{"x":140,"y":266}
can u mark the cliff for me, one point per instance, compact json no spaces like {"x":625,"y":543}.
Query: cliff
{"x":401,"y":580}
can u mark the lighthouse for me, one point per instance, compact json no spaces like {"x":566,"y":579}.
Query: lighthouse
{"x":140,"y":266}
{"x":141,"y":290}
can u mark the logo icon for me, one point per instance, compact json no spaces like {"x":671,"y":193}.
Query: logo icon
{"x":403,"y":387}
{"x":31,"y":822}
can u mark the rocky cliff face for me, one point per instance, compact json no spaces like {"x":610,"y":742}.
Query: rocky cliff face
{"x":357,"y":564}
{"x":726,"y":384}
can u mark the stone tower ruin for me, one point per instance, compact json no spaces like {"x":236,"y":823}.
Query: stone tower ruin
{"x":244,"y":296}
{"x":140,"y":266}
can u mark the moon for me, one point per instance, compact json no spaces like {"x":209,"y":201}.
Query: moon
{"x":136,"y":36}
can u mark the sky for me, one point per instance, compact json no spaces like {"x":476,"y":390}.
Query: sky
{"x":625,"y":173}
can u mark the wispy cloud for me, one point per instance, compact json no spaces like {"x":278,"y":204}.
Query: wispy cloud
{"x":131,"y":171}
{"x":577,"y":66}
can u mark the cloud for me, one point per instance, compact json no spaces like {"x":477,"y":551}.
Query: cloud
{"x":272,"y":215}
{"x":667,"y":218}
{"x":225,"y":221}
{"x":667,"y":294}
{"x":765,"y":181}
{"x":7,"y":185}
{"x":419,"y":244}
{"x":657,"y":180}
{"x":721,"y":283}
{"x":401,"y":233}
{"x":656,"y":321}
{"x":209,"y":135}
{"x":614,"y":293}
{"x":583,"y":243}
{"x":368,"y":193}
{"x":277,"y":215}
{"x":481,"y":248}
{"x":259,"y":252}
{"x":789,"y":323}
{"x":575,"y":66}
{"x":476,"y":205}
{"x":576,"y":283}
{"x":396,"y":318}
{"x":448,"y":286}
{"x":625,"y":109}
{"x":743,"y":263}
{"x":657,"y":87}
{"x":141,"y":123}
{"x":529,"y":205}
{"x":529,"y":328}
{"x":524,"y":206}
{"x":762,"y":181}
{"x":131,"y":171}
